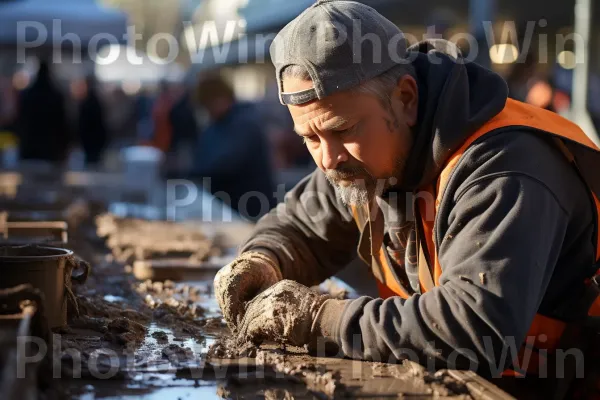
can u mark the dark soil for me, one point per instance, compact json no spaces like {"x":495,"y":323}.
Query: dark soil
{"x":124,"y":330}
{"x":176,"y":353}
{"x":229,"y":348}
{"x":161,"y":337}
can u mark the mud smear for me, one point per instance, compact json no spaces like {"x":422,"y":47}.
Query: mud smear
{"x":229,"y":348}
{"x":270,"y":389}
{"x":125,"y":331}
{"x":177,"y":354}
{"x":316,"y":377}
{"x":439,"y":384}
{"x":285,"y":318}
{"x":336,"y":378}
{"x":244,"y":273}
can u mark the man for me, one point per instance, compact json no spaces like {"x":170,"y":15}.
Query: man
{"x":477,"y":226}
{"x":91,"y":124}
{"x":42,"y":123}
{"x":233,"y":151}
{"x":161,"y":112}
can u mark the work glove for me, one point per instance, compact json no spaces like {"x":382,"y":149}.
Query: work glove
{"x":284,"y":313}
{"x":241,"y":280}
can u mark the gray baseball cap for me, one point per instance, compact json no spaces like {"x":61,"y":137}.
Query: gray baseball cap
{"x":340,"y":43}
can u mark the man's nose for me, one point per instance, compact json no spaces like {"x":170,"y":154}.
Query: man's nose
{"x":332,"y":154}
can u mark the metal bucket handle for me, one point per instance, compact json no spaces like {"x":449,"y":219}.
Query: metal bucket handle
{"x":74,"y":263}
{"x":83,"y":276}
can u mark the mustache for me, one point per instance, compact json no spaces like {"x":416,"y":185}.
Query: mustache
{"x":347,"y":172}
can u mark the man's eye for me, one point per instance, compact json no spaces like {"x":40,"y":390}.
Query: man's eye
{"x":310,"y":139}
{"x":347,"y":130}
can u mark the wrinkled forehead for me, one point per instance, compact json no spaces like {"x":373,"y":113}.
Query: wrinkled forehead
{"x":346,"y":105}
{"x":321,"y":111}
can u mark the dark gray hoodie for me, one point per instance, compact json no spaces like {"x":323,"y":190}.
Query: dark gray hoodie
{"x":514,"y":210}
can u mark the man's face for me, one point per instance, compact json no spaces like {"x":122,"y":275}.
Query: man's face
{"x":360,"y":144}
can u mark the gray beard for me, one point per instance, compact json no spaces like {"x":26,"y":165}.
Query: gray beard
{"x":356,"y":195}
{"x":361,"y":191}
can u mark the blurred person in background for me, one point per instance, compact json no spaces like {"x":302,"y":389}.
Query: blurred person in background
{"x":143,"y":115}
{"x":291,"y":160}
{"x":121,"y":115}
{"x":233,"y":150}
{"x":182,"y":119}
{"x":527,"y":82}
{"x":8,"y":104}
{"x":288,"y":151}
{"x":42,"y":124}
{"x":163,"y":129}
{"x":91,"y":125}
{"x":185,"y":132}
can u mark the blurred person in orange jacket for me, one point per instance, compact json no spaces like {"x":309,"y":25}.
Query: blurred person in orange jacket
{"x":163,"y":129}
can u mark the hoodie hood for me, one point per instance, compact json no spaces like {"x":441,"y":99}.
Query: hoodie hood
{"x":456,"y":97}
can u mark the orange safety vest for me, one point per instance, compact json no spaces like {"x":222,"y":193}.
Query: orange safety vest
{"x":574,"y":144}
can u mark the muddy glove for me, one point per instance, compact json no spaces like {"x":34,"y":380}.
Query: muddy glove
{"x":241,"y":280}
{"x":284,"y":313}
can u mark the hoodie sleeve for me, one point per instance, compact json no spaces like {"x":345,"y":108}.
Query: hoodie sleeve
{"x":311,"y":233}
{"x":498,"y":254}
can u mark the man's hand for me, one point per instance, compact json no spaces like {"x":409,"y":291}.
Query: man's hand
{"x":283,"y":313}
{"x":240,"y":281}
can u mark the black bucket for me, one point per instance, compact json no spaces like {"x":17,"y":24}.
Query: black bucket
{"x":48,"y":269}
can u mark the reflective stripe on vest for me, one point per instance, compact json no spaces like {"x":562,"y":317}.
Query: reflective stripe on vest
{"x":514,"y":114}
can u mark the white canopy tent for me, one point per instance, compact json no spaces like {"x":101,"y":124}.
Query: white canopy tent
{"x":55,"y":23}
{"x":122,"y":63}
{"x":125,"y":64}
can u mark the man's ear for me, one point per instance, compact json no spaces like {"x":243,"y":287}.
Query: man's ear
{"x":405,"y":100}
